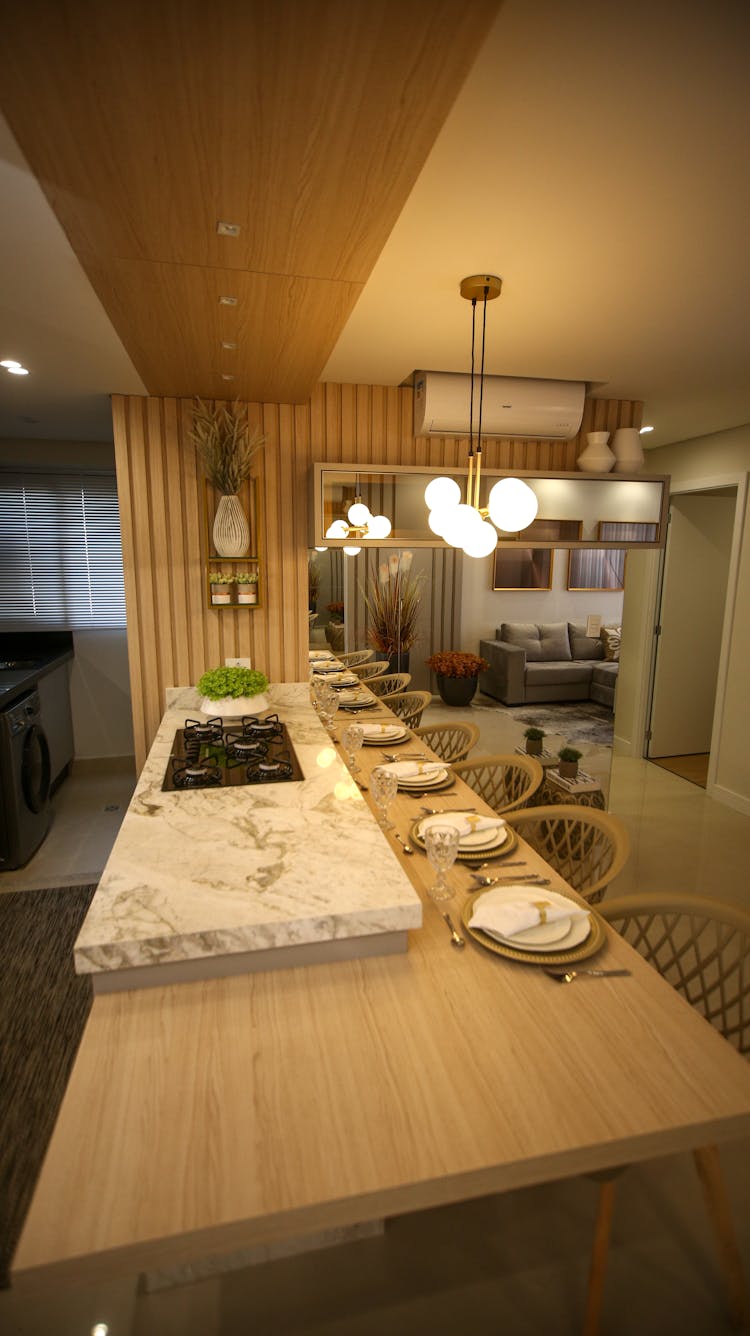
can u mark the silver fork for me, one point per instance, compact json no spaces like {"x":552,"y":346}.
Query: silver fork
{"x":533,"y":878}
{"x":569,"y":976}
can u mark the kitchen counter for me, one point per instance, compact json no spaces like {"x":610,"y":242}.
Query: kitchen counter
{"x":221,"y":881}
{"x":17,"y":682}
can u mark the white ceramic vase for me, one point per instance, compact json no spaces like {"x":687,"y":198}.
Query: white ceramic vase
{"x":233,"y":707}
{"x":627,"y":450}
{"x":231,"y":531}
{"x":597,"y":457}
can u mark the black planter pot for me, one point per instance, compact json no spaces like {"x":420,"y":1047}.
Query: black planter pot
{"x":456,"y":690}
{"x":399,"y":663}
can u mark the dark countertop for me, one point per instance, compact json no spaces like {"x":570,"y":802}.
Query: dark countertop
{"x":38,"y":653}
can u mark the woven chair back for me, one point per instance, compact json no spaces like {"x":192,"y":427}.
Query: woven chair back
{"x":408,"y":705}
{"x":700,"y":946}
{"x":503,"y":782}
{"x":588,"y":848}
{"x":390,"y":683}
{"x":356,"y":657}
{"x":375,"y":668}
{"x":451,"y":742}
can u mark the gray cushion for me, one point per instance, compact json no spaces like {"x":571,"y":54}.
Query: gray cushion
{"x":605,"y":672}
{"x":583,"y":646}
{"x":557,"y":674}
{"x":545,"y":641}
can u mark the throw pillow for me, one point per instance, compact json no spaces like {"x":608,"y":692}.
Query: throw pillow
{"x":610,"y":637}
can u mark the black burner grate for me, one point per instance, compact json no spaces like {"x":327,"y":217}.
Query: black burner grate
{"x":206,"y":754}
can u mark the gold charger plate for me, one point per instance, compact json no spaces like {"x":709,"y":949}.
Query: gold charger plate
{"x":472,"y":855}
{"x":589,"y":947}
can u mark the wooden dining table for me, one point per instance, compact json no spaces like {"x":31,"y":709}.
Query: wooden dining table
{"x":208,"y":1117}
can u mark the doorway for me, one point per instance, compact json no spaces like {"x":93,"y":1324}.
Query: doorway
{"x":691,"y":620}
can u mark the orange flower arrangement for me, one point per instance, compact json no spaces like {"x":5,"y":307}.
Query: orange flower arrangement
{"x":454,"y":663}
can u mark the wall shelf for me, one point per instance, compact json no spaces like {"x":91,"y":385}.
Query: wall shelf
{"x":229,"y":593}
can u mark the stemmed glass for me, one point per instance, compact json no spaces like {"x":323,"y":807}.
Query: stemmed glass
{"x":383,"y":784}
{"x":351,"y":739}
{"x":441,"y":845}
{"x":328,"y":705}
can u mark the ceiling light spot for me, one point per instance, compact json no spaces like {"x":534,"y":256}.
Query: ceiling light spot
{"x":227,"y":301}
{"x":17,"y":371}
{"x":8,"y":363}
{"x":228,"y":229}
{"x":227,"y":375}
{"x":228,"y":345}
{"x":644,"y":429}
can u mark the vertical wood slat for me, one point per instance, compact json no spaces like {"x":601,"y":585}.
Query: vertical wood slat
{"x":173,"y":636}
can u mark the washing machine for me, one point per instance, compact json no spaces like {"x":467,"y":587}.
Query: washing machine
{"x":25,"y":811}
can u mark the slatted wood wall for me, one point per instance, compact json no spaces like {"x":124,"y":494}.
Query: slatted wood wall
{"x":173,"y":636}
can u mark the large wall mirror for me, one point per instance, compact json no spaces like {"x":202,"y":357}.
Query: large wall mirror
{"x":601,"y":510}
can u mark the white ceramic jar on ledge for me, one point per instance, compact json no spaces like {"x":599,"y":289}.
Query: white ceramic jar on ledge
{"x":597,"y":457}
{"x":627,"y":450}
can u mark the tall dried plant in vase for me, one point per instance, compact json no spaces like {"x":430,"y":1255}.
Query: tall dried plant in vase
{"x":392,"y":604}
{"x":227,"y":446}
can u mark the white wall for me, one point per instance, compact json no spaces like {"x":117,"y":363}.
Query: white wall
{"x":483,"y":609}
{"x":723,"y":457}
{"x":99,"y":682}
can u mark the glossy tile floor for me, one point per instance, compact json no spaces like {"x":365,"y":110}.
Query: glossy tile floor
{"x":514,"y":1264}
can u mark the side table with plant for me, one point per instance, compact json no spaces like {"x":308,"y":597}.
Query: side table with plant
{"x":456,"y":674}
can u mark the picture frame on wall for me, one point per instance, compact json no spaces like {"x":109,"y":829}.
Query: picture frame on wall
{"x":522,"y":569}
{"x":595,"y":568}
{"x":613,"y":531}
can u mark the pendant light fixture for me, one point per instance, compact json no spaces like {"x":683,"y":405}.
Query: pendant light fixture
{"x":511,"y":504}
{"x":359,"y":523}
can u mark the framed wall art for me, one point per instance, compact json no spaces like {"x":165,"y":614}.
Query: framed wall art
{"x":592,"y":568}
{"x":526,"y":568}
{"x":611,"y":531}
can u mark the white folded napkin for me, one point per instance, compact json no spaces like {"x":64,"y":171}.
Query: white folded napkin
{"x":502,"y":916}
{"x":466,"y":823}
{"x":383,"y":730}
{"x":413,"y":769}
{"x":314,"y":654}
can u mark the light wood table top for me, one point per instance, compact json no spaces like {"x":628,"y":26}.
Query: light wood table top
{"x":205,"y":1117}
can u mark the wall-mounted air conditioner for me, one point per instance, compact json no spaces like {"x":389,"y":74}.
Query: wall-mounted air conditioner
{"x":549,"y":410}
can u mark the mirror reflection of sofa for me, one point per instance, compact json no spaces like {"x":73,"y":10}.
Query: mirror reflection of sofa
{"x":550,"y":661}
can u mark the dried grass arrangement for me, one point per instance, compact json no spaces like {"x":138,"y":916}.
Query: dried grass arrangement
{"x":225,"y":443}
{"x":393,"y":605}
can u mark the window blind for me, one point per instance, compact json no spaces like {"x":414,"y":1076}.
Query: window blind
{"x":60,"y":551}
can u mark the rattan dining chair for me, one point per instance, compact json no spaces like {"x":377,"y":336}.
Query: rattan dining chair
{"x":356,"y":657}
{"x":504,"y":782}
{"x":390,"y":683}
{"x":702,"y":948}
{"x":588,"y":848}
{"x":373,"y":668}
{"x":451,"y":742}
{"x":408,"y":705}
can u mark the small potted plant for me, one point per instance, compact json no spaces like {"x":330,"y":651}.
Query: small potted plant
{"x":221,"y":587}
{"x":534,"y":740}
{"x":456,"y":674}
{"x":569,"y":759}
{"x":337,"y":611}
{"x":233,"y":691}
{"x":247,"y":586}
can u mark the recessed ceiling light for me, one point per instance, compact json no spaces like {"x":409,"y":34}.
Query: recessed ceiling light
{"x":228,"y":229}
{"x":17,"y":371}
{"x":644,"y":429}
{"x":8,"y":363}
{"x":227,"y":301}
{"x":230,"y":346}
{"x":226,"y":376}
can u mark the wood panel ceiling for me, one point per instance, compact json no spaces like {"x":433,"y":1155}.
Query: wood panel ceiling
{"x":306,"y":122}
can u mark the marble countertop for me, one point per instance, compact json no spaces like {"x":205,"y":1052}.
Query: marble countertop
{"x":218,"y":872}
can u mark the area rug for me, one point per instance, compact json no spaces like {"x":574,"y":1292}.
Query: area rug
{"x":581,"y":721}
{"x":43,"y":1011}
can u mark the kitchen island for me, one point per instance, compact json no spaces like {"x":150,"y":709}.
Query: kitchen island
{"x":208,"y":882}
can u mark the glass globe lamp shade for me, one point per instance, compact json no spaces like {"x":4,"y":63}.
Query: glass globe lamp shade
{"x":442,"y":492}
{"x":512,"y":505}
{"x":439,"y":518}
{"x":379,"y":526}
{"x":481,"y":541}
{"x":462,"y":522}
{"x":359,"y":514}
{"x":321,"y":549}
{"x":339,"y":529}
{"x":352,"y":551}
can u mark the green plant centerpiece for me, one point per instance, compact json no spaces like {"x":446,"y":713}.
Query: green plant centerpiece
{"x":457,"y":672}
{"x":569,"y":758}
{"x":227,"y":445}
{"x":534,"y":740}
{"x":232,"y":692}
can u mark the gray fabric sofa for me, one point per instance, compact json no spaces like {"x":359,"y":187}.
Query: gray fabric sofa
{"x":547,"y":661}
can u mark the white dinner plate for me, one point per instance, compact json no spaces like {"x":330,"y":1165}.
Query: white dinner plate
{"x":375,"y":733}
{"x":557,"y":936}
{"x":425,"y":781}
{"x":484,"y":839}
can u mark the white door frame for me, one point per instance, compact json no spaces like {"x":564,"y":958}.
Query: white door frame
{"x":708,"y":484}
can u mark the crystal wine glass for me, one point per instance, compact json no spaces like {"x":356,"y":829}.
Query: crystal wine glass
{"x":332,"y":705}
{"x":384,"y":783}
{"x":352,"y":738}
{"x":441,"y":844}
